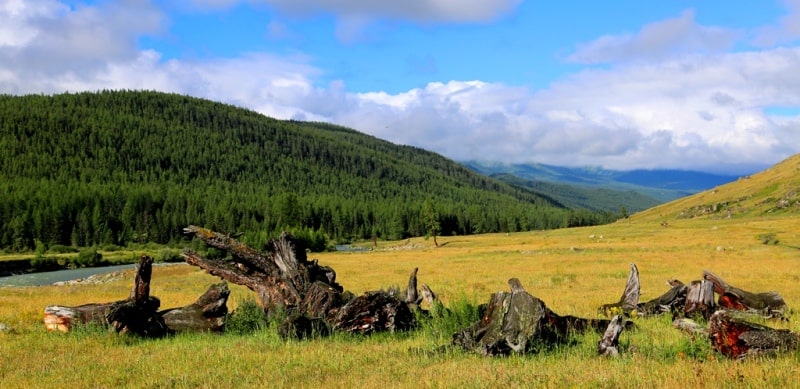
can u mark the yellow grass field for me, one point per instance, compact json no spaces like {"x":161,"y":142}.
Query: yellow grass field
{"x":572,"y":270}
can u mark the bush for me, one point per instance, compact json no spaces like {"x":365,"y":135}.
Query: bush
{"x":442,"y":322}
{"x":42,"y":263}
{"x":88,"y":257}
{"x":111,"y":248}
{"x":247,"y":318}
{"x":61,"y":249}
{"x":768,"y":238}
{"x":169,"y":255}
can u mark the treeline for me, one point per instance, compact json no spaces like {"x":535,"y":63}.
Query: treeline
{"x":117,"y":167}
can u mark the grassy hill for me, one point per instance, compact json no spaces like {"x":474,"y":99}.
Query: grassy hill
{"x":774,"y":191}
{"x":117,"y":167}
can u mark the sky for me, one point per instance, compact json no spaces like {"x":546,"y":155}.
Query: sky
{"x":709,"y":85}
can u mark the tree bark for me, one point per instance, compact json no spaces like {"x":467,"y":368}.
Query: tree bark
{"x":609,"y":343}
{"x":739,"y":339}
{"x":630,"y":296}
{"x":138,"y":314}
{"x":767,"y":304}
{"x":671,"y":301}
{"x":313,"y":301}
{"x":700,"y":300}
{"x":520,"y":323}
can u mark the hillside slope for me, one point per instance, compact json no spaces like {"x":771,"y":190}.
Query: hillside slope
{"x":116,"y":167}
{"x":774,"y":191}
{"x":599,"y":199}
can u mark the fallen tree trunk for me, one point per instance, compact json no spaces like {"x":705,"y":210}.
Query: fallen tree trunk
{"x":282,"y":277}
{"x":518,"y":322}
{"x":739,"y":339}
{"x":767,"y":304}
{"x":138,"y":314}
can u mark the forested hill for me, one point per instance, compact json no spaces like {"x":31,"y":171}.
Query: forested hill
{"x":115,"y":167}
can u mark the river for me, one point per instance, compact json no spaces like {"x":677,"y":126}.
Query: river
{"x":49,"y":277}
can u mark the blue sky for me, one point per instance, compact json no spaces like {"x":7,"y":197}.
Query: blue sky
{"x":702,"y":85}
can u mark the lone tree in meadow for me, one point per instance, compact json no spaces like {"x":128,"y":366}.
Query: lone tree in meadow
{"x":431,"y":219}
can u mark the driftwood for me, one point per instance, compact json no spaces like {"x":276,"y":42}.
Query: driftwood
{"x":767,"y":304}
{"x":138,"y":314}
{"x":737,"y":339}
{"x":518,"y":322}
{"x":282,"y":277}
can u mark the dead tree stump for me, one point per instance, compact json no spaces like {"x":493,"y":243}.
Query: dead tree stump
{"x":520,"y":323}
{"x":739,"y":339}
{"x":138,"y":314}
{"x":767,"y":304}
{"x":308,"y":293}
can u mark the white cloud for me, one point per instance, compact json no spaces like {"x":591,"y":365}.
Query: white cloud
{"x":354,"y":17}
{"x":656,"y":41}
{"x":701,"y":111}
{"x":414,"y":10}
{"x":786,"y":30}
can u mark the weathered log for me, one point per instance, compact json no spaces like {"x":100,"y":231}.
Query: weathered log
{"x":630,"y":296}
{"x":374,"y":312}
{"x":700,"y":300}
{"x":281,"y":276}
{"x":206,"y":314}
{"x":673,"y":300}
{"x":138,"y":314}
{"x":609,"y":343}
{"x":518,"y":322}
{"x":767,"y":304}
{"x":739,"y":339}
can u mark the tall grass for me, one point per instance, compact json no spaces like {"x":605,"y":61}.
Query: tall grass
{"x":571,"y":271}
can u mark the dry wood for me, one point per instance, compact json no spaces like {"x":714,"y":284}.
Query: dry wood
{"x":138,"y":314}
{"x":767,"y":304}
{"x":700,"y":300}
{"x":739,"y":339}
{"x":518,"y":322}
{"x":308,"y":293}
{"x":671,"y":301}
{"x":630,"y":296}
{"x":609,"y":343}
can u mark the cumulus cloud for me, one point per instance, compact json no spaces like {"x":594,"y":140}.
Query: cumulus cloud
{"x":354,"y":17}
{"x":786,"y":30}
{"x":656,"y":41}
{"x":47,"y":39}
{"x":414,"y":10}
{"x":700,"y":111}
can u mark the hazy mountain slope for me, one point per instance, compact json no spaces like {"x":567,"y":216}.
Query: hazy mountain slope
{"x":575,"y":196}
{"x":662,"y":185}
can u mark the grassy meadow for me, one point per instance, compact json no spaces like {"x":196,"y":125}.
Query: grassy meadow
{"x":573,"y":271}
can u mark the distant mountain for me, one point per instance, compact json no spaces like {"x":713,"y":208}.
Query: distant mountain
{"x":594,"y":199}
{"x":661,"y":185}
